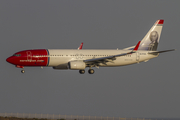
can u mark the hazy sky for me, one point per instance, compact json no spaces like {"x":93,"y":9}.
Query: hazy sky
{"x":150,"y":89}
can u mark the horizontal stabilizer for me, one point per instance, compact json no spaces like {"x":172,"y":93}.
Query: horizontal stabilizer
{"x":161,"y":51}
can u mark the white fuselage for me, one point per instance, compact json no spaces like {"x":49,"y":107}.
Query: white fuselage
{"x":63,"y":56}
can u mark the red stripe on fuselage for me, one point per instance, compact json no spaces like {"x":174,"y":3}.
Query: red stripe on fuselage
{"x":38,"y":57}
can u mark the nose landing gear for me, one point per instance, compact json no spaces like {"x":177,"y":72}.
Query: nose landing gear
{"x":22,"y":71}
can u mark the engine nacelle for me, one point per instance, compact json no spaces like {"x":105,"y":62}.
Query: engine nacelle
{"x":77,"y":65}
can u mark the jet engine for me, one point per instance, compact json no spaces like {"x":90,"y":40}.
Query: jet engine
{"x":77,"y":65}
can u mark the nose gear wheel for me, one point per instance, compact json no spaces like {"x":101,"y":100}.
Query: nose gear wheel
{"x":22,"y":71}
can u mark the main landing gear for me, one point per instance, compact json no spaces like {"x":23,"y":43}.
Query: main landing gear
{"x":81,"y":71}
{"x":90,"y":71}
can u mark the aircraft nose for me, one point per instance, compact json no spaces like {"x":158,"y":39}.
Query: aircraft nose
{"x":9,"y":60}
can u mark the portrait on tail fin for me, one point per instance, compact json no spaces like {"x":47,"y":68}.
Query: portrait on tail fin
{"x":151,"y":39}
{"x":154,"y":41}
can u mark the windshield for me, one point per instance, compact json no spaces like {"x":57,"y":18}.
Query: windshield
{"x":17,"y":55}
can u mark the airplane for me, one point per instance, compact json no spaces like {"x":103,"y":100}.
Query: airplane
{"x":75,"y":59}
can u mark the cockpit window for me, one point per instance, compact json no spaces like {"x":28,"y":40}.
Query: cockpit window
{"x":17,"y":55}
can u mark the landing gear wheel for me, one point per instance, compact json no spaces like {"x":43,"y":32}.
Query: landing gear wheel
{"x":81,"y":71}
{"x":91,"y":71}
{"x":22,"y":71}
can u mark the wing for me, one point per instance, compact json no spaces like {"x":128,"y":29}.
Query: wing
{"x":103,"y":60}
{"x":129,"y":48}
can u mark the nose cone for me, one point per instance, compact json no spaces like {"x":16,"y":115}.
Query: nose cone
{"x":9,"y":60}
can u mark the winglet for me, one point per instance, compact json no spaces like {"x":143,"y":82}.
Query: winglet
{"x":80,"y":47}
{"x":137,"y":46}
{"x":159,"y":22}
